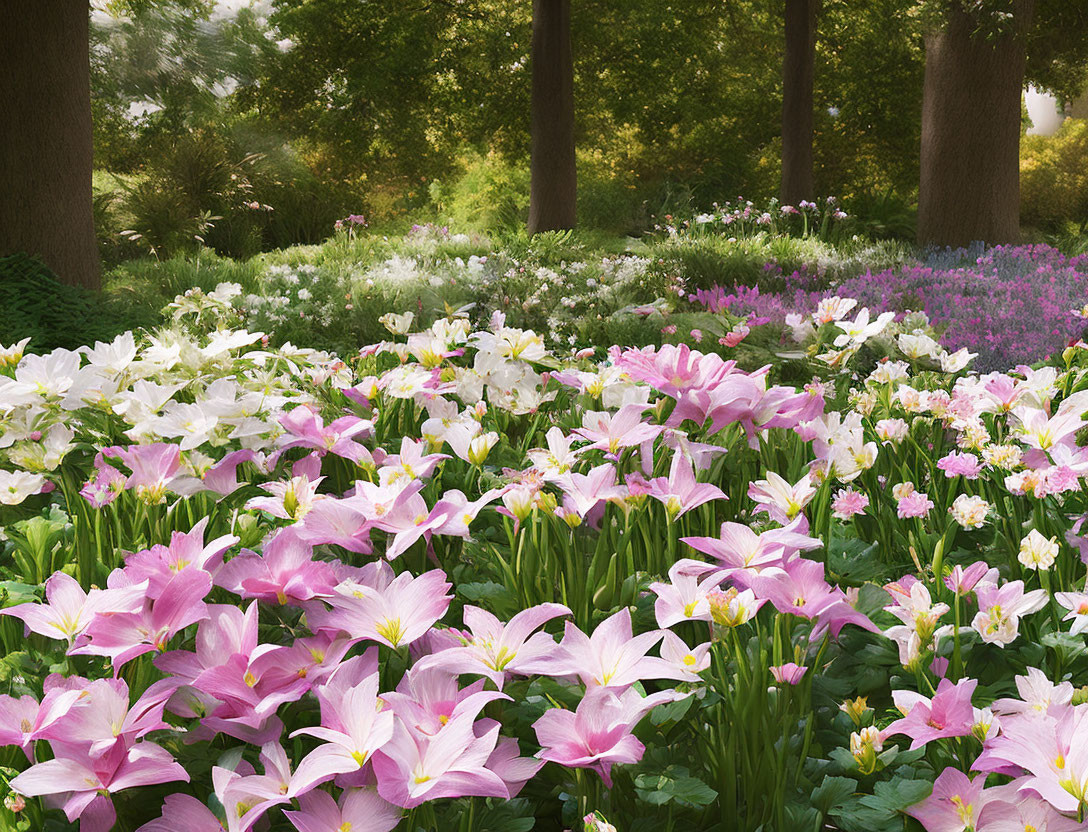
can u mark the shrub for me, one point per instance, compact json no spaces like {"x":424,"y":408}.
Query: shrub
{"x":1054,"y":177}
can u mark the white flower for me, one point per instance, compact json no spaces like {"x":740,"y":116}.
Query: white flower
{"x":397,"y":324}
{"x":1037,"y":552}
{"x":861,"y":329}
{"x":918,"y":346}
{"x":16,"y":486}
{"x":953,"y":362}
{"x":969,"y":511}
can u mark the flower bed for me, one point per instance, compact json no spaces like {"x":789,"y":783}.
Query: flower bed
{"x":1013,"y":305}
{"x":458,"y":582}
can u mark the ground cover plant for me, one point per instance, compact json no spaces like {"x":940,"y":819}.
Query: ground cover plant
{"x":470,"y":578}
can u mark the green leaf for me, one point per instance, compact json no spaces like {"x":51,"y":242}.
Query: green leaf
{"x":832,"y":792}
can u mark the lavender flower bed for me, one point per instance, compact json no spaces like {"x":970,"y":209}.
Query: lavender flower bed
{"x":1012,"y":304}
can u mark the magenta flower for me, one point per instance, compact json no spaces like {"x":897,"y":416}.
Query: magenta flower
{"x":948,"y":714}
{"x":394,"y":615}
{"x":83,"y":785}
{"x":680,"y":492}
{"x":69,"y":610}
{"x":494,"y":649}
{"x":360,"y":809}
{"x":284,"y":573}
{"x":598,"y":734}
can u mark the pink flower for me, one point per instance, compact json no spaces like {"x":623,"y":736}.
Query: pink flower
{"x":611,"y":657}
{"x":159,"y":564}
{"x":738,"y":547}
{"x":681,"y":492}
{"x":915,"y":504}
{"x":17,"y":722}
{"x":222,"y":477}
{"x":962,"y":581}
{"x":105,"y":486}
{"x":427,"y":698}
{"x":612,"y":432}
{"x":246,"y":798}
{"x":1008,"y":809}
{"x":124,"y":636}
{"x":284,"y":573}
{"x":782,"y":501}
{"x":360,"y":809}
{"x":494,"y":649}
{"x":696,"y":335}
{"x":585,"y":492}
{"x":69,"y":610}
{"x":353,"y":725}
{"x":84,"y":785}
{"x":183,"y":812}
{"x":1000,"y":610}
{"x":685,"y":598}
{"x":598,"y":734}
{"x":960,"y":464}
{"x":306,"y":429}
{"x":154,"y":467}
{"x":689,"y":661}
{"x":849,"y":502}
{"x":413,"y":768}
{"x":954,"y":805}
{"x":394,"y":614}
{"x":788,"y":674}
{"x":948,"y":714}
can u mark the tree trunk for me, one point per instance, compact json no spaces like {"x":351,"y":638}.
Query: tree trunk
{"x":46,"y":150}
{"x":553,"y":187}
{"x":798,"y":71}
{"x":971,"y":108}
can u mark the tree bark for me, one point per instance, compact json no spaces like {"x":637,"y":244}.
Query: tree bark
{"x":46,"y":146}
{"x":798,"y":71}
{"x":971,"y":107}
{"x":553,"y":186}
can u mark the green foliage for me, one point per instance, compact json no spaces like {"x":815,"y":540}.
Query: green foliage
{"x":35,"y":304}
{"x":1054,"y":177}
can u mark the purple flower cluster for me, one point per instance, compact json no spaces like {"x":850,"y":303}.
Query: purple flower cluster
{"x":1011,"y":304}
